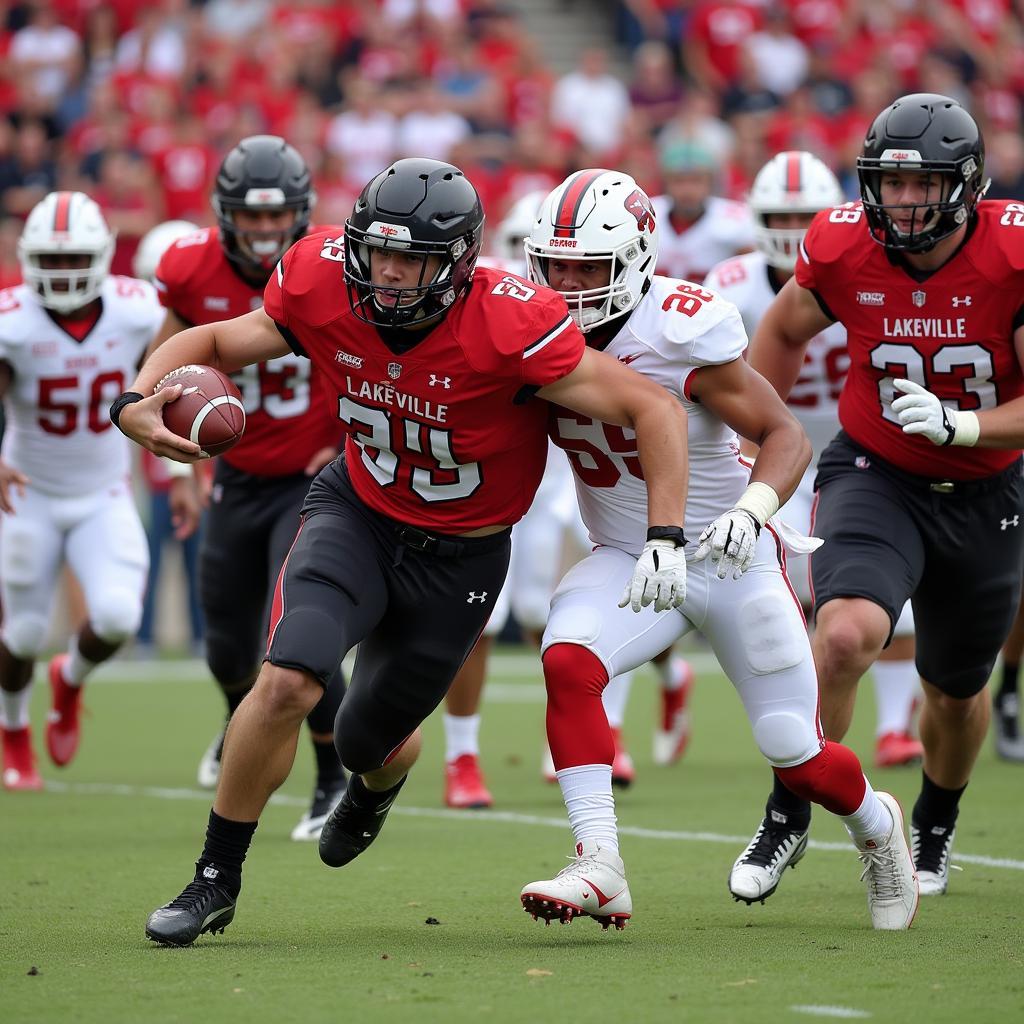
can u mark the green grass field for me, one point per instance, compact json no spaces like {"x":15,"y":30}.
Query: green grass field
{"x":116,"y":833}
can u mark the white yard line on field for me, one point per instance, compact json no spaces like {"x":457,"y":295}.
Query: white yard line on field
{"x":500,"y":817}
{"x":846,"y":1012}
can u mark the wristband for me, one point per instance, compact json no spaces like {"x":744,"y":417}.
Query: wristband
{"x":118,"y":404}
{"x":175,"y":469}
{"x":672,"y":533}
{"x":965,"y":428}
{"x":760,"y":501}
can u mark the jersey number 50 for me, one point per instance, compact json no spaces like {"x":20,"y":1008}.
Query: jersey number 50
{"x":57,"y":416}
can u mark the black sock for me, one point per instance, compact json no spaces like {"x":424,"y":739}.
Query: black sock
{"x":1008,"y":684}
{"x":227,"y":843}
{"x":935,"y":805}
{"x":328,"y":765}
{"x":370,"y":799}
{"x":795,"y":810}
{"x":235,"y":697}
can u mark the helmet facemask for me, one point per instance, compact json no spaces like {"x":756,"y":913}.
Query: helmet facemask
{"x":65,"y":289}
{"x":255,"y":250}
{"x":419,"y":304}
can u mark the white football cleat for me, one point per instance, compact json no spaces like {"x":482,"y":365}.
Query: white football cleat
{"x":673,"y":732}
{"x":325,"y":799}
{"x":209,"y":767}
{"x":593,"y":885}
{"x":889,"y":871}
{"x":758,"y":869}
{"x":931,"y":849}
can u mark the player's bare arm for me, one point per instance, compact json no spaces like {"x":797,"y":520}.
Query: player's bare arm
{"x":603,"y":388}
{"x":778,"y":345}
{"x":9,"y":476}
{"x":227,"y":345}
{"x":173,"y":324}
{"x":921,"y":412}
{"x":742,"y":398}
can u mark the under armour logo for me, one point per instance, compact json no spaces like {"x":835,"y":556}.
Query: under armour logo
{"x":965,"y":301}
{"x":444,"y":382}
{"x":1004,"y":523}
{"x":474,"y":597}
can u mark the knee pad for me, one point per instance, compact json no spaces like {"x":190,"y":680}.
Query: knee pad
{"x":309,"y":639}
{"x":786,"y":738}
{"x":116,"y":616}
{"x":577,"y":625}
{"x":571,"y":670}
{"x":771,"y":632}
{"x":25,"y":634}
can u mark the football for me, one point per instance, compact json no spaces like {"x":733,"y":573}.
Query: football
{"x":209,"y":409}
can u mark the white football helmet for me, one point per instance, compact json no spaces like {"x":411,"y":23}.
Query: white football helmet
{"x":516,"y":226}
{"x":793,"y":181}
{"x":155,"y":243}
{"x":597,"y":215}
{"x":66,"y":223}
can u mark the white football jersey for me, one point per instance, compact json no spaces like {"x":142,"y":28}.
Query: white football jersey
{"x":58,"y":429}
{"x":725,"y":229}
{"x":676,"y":328}
{"x":814,"y":399}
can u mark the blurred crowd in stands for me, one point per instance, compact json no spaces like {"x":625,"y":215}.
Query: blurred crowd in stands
{"x":135,"y":102}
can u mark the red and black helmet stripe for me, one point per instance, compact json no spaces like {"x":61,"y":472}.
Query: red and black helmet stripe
{"x":793,"y":182}
{"x":568,"y":204}
{"x":62,"y":212}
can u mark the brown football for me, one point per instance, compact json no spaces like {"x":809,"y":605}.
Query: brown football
{"x":209,"y":409}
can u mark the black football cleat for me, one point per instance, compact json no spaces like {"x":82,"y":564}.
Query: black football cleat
{"x":203,"y":906}
{"x":350,"y":829}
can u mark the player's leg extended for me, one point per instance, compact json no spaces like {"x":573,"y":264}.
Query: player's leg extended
{"x":439,"y":600}
{"x":757,"y":632}
{"x":589,"y":638}
{"x":958,"y":642}
{"x":286,"y":502}
{"x":234,"y":579}
{"x":31,"y":544}
{"x":330,"y":594}
{"x":870,"y":564}
{"x":108,"y":553}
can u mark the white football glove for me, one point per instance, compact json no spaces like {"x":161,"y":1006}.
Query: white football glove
{"x":660,"y":576}
{"x":730,"y":541}
{"x":921,"y":412}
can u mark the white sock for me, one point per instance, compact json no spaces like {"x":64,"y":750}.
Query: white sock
{"x":615,"y":697}
{"x":587,"y":791}
{"x":896,"y":686}
{"x":14,"y":708}
{"x":461,"y":735}
{"x":871,"y":821}
{"x":77,"y":667}
{"x":672,"y":672}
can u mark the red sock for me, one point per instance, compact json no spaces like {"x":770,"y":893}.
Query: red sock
{"x":833,"y":778}
{"x":578,"y":730}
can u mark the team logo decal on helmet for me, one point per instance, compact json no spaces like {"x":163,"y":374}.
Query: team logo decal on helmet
{"x":582,"y":220}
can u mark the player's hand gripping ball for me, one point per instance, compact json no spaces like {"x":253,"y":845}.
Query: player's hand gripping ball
{"x":209,"y":409}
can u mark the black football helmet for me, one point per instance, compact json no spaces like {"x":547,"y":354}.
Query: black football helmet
{"x":923,"y":132}
{"x":262,"y":172}
{"x":422,"y":208}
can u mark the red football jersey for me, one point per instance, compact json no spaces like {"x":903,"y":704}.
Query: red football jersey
{"x":289,"y":411}
{"x":435,"y":436}
{"x":952,"y":332}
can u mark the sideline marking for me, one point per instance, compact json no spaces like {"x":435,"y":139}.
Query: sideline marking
{"x":500,"y":817}
{"x":831,"y":1011}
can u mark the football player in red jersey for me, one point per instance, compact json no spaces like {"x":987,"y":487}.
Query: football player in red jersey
{"x":263,"y":197}
{"x":928,"y":280}
{"x":404,"y":541}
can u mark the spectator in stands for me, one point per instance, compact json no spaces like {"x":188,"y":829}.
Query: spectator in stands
{"x":45,"y":53}
{"x":591,"y":103}
{"x":30,"y":172}
{"x":779,"y":58}
{"x":655,"y":90}
{"x":365,"y":133}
